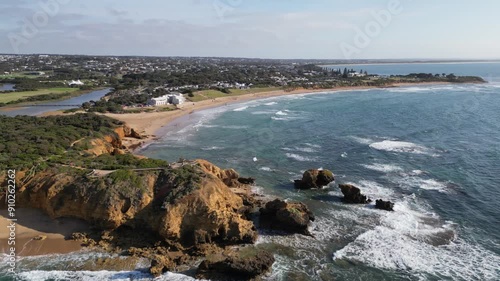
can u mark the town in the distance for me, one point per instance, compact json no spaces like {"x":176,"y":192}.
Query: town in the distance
{"x":141,"y":83}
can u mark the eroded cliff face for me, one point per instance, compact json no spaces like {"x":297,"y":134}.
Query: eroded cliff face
{"x":112,"y":144}
{"x":186,"y":206}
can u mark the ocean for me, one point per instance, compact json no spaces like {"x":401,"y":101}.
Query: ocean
{"x":432,"y":150}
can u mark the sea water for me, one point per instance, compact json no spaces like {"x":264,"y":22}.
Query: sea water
{"x":433,"y":150}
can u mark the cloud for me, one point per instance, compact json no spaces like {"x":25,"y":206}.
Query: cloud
{"x":117,"y":13}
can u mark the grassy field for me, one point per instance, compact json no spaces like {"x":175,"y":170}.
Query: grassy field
{"x":7,"y":97}
{"x":213,"y":94}
{"x":21,"y":75}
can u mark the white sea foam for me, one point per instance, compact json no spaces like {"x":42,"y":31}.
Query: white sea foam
{"x":241,"y":108}
{"x":386,"y":248}
{"x":281,"y":119}
{"x":343,"y":155}
{"x":281,"y":113}
{"x":300,"y":149}
{"x":300,"y":157}
{"x":266,"y":169}
{"x":312,"y":145}
{"x":39,"y":275}
{"x":401,"y":146}
{"x":409,"y":89}
{"x":385,"y":168}
{"x":270,"y":103}
{"x":415,"y":240}
{"x":262,"y":112}
{"x":212,"y":148}
{"x":361,"y":140}
{"x":415,"y":179}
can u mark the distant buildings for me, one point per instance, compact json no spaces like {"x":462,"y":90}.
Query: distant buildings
{"x":174,"y":98}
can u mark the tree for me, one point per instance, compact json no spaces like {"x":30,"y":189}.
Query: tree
{"x":345,"y":75}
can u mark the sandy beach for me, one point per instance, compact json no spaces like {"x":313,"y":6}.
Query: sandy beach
{"x":149,"y":124}
{"x":32,"y":224}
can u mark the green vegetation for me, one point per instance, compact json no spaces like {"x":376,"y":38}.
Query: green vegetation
{"x":188,"y":177}
{"x":26,"y":140}
{"x":106,"y":161}
{"x":27,"y":96}
{"x":213,"y":94}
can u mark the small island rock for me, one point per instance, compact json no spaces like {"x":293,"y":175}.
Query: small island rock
{"x":384,"y":205}
{"x":289,"y":217}
{"x":315,"y":179}
{"x":353,"y":194}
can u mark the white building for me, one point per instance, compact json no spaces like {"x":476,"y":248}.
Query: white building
{"x":174,"y":98}
{"x":76,"y":83}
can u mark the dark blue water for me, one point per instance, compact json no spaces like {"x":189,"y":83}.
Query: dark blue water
{"x":489,"y":71}
{"x":59,"y":105}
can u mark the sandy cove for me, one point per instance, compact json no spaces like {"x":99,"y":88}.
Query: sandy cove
{"x":33,"y":223}
{"x":149,"y":124}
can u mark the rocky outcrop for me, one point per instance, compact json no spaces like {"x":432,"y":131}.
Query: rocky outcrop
{"x":229,"y":177}
{"x":247,"y":265}
{"x":113,"y":143}
{"x":185,"y":207}
{"x":384,"y":205}
{"x":353,"y":194}
{"x":289,"y":217}
{"x":161,"y":264}
{"x":246,"y":180}
{"x":315,"y":179}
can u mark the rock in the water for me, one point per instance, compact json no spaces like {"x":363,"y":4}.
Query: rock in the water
{"x":160,"y":265}
{"x":247,"y":265}
{"x":353,"y":194}
{"x":314,"y":179}
{"x":384,"y":205}
{"x":289,"y":217}
{"x":246,"y":180}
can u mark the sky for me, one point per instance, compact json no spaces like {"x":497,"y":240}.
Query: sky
{"x":280,"y":29}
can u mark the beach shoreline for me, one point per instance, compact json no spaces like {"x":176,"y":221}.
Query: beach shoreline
{"x":38,"y":234}
{"x":151,"y":124}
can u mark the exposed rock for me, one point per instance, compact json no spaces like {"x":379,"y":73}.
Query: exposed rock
{"x":40,"y":237}
{"x":246,"y":180}
{"x":229,"y":177}
{"x":315,"y":179}
{"x":248,"y":265}
{"x":160,"y":265}
{"x":289,"y":217}
{"x":384,"y":205}
{"x":177,"y":205}
{"x":353,"y":194}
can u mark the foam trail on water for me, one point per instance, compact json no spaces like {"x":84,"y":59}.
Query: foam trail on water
{"x":401,"y":147}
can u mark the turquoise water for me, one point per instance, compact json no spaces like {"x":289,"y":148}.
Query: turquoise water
{"x":433,"y":150}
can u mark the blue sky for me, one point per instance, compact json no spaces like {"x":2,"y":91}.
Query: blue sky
{"x":323,"y":29}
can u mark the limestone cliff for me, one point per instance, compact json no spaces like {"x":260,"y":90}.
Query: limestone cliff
{"x":185,"y":206}
{"x":112,"y":144}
